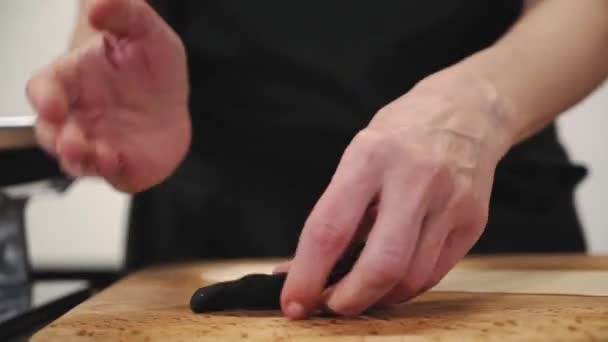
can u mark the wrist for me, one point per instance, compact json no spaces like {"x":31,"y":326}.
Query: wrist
{"x":478,"y":106}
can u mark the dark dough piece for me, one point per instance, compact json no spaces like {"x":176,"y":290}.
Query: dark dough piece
{"x":259,"y":291}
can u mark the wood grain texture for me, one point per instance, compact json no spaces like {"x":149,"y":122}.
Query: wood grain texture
{"x":152,"y":306}
{"x":578,"y":262}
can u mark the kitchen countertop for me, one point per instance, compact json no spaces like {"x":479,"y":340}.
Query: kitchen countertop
{"x":16,"y":132}
{"x":153,"y":305}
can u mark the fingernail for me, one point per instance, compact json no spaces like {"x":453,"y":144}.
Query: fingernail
{"x":295,"y":310}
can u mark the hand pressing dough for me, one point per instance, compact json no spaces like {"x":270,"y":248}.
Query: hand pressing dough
{"x":259,"y":291}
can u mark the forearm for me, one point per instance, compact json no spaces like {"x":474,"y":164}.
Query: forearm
{"x":554,"y":56}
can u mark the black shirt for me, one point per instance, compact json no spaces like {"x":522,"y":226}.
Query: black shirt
{"x":278,"y":90}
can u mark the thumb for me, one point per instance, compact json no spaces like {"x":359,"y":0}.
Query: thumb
{"x":123,"y":18}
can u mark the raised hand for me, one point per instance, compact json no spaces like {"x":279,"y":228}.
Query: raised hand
{"x":117,"y":106}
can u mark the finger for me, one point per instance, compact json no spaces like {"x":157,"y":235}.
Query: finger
{"x":457,"y":244}
{"x":470,"y":215}
{"x":436,"y":227}
{"x":360,"y":235}
{"x":367,"y":222}
{"x":46,"y":135}
{"x":52,"y":90}
{"x":391,"y":243}
{"x":106,"y":161}
{"x":73,"y":149}
{"x":327,"y":233}
{"x":453,"y":250}
{"x":85,"y":168}
{"x":423,"y":262}
{"x":122,"y":18}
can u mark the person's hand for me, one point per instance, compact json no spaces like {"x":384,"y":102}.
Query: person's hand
{"x":426,"y":164}
{"x":116,"y":107}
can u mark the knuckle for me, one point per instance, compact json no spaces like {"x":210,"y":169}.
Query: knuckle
{"x":432,"y":166}
{"x":329,"y":236}
{"x":473,"y":231}
{"x":382,"y":276}
{"x":365,"y":137}
{"x":475,"y":211}
{"x":388,"y":269}
{"x":370,"y":146}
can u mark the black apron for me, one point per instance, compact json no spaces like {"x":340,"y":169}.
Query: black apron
{"x":279,"y":88}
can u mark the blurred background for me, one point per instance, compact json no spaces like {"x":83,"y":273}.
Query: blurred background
{"x":85,"y":227}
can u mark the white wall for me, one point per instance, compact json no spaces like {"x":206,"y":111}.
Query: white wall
{"x":31,"y":32}
{"x":584,"y":130}
{"x":86,"y":227}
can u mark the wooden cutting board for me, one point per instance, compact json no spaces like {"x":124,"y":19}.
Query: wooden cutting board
{"x":152,"y":305}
